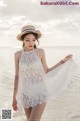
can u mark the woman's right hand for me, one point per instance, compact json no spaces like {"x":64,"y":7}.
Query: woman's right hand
{"x":66,"y":58}
{"x":14,"y":104}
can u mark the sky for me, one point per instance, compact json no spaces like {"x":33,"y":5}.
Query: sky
{"x":59,"y":24}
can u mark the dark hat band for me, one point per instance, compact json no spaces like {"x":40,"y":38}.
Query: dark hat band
{"x":28,"y":30}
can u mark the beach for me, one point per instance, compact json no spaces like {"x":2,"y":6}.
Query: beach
{"x":65,"y":107}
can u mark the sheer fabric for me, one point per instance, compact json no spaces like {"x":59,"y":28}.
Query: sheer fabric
{"x":35,"y":86}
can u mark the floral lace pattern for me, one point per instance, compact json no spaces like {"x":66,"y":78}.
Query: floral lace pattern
{"x":31,"y":78}
{"x":30,"y":101}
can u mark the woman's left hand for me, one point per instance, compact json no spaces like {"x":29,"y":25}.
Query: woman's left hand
{"x":66,"y":58}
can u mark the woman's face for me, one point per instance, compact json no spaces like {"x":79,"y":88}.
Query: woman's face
{"x":29,"y":41}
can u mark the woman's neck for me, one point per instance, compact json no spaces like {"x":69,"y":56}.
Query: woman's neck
{"x":26,"y":49}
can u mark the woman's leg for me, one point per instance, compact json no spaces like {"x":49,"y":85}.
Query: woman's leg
{"x":28,"y":112}
{"x":37,"y":111}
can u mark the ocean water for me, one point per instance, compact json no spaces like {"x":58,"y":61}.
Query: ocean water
{"x":60,"y":109}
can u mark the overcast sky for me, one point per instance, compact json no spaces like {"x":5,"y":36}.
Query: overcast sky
{"x":60,"y":25}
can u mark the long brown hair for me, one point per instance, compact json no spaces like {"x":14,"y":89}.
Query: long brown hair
{"x":36,"y":36}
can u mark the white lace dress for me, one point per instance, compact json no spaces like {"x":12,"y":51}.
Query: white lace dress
{"x":36,"y":87}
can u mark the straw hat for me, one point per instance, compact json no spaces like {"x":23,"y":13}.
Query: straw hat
{"x":28,"y":29}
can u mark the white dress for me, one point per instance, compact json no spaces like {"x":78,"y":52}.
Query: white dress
{"x":35,"y":86}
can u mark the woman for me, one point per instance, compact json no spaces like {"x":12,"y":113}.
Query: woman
{"x":30,"y":69}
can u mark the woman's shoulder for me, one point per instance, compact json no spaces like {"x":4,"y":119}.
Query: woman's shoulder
{"x":18,"y":53}
{"x":41,"y":51}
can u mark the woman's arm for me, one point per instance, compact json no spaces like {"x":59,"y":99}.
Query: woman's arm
{"x":61,"y":62}
{"x":55,"y":66}
{"x":16,"y":56}
{"x":43,"y":59}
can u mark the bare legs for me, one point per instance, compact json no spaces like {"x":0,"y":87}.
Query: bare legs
{"x":35,"y":113}
{"x":28,"y":112}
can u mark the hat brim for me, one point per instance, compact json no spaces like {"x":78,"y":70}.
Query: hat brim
{"x":19,"y":36}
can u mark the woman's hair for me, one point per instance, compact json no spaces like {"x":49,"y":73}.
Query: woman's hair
{"x":36,"y":36}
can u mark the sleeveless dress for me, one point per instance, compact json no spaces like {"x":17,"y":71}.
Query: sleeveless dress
{"x":35,"y":86}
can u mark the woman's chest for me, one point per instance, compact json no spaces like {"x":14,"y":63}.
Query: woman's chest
{"x":31,"y":61}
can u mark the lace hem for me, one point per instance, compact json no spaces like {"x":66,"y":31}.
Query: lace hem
{"x":33,"y":101}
